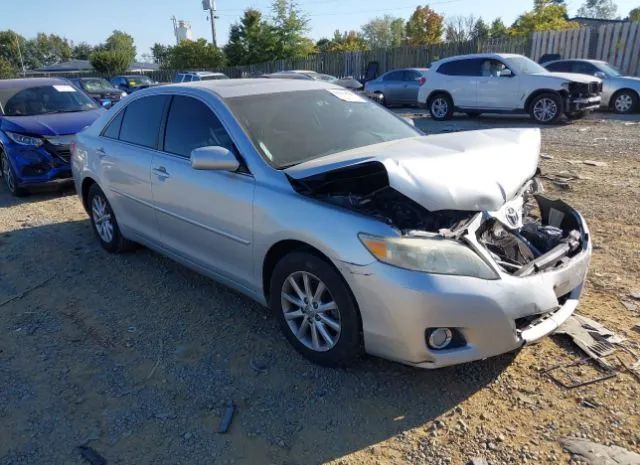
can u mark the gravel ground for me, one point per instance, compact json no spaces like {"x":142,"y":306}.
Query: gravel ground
{"x":137,"y":356}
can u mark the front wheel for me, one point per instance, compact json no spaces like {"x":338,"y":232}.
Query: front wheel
{"x":9,"y":177}
{"x":441,"y":107}
{"x":104,"y":222}
{"x":624,"y":102}
{"x":316,"y":310}
{"x":546,"y":108}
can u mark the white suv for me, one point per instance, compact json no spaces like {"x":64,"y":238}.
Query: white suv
{"x":506,"y":83}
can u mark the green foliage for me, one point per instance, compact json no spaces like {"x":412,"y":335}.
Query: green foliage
{"x":198,"y":54}
{"x":251,"y":41}
{"x":546,"y":15}
{"x":385,"y":32}
{"x":599,"y":9}
{"x":160,"y":53}
{"x":424,"y":27}
{"x":110,"y":62}
{"x":480,"y":30}
{"x":288,"y":26}
{"x":10,"y":42}
{"x":7,"y":70}
{"x":82,"y":51}
{"x":347,"y":41}
{"x":48,"y":49}
{"x":498,"y":30}
{"x":634,"y":15}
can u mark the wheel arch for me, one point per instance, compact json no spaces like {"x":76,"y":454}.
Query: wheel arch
{"x":537,"y":92}
{"x":435,"y":92}
{"x":612,"y":99}
{"x":87,"y":182}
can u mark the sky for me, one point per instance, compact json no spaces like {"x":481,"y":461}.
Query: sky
{"x":149,"y":21}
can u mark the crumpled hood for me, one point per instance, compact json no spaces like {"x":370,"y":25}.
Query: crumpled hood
{"x":471,"y":171}
{"x":574,"y":77}
{"x":55,"y":124}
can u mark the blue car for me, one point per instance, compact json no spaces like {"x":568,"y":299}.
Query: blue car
{"x":38,"y":120}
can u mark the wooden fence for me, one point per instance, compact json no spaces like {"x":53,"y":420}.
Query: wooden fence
{"x":619,"y":44}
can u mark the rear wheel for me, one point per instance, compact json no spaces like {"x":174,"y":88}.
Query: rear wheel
{"x":315,"y":308}
{"x":624,"y":101}
{"x":9,"y":176}
{"x":441,"y":107}
{"x":104,"y":222}
{"x":546,"y":108}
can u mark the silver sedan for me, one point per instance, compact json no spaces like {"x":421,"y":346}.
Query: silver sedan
{"x":619,"y":93}
{"x":359,"y":232}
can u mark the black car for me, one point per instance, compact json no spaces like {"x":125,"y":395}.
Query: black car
{"x":99,"y":90}
{"x":132,"y":83}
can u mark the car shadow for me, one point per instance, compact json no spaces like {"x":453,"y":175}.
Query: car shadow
{"x":140,"y":356}
{"x":32,"y":196}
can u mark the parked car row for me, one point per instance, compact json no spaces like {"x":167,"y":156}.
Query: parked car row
{"x":508,"y":83}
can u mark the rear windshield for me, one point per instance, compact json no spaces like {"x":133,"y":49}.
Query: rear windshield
{"x":292,"y":127}
{"x":213,"y":77}
{"x":96,"y":85}
{"x":135,"y":81}
{"x":41,"y":100}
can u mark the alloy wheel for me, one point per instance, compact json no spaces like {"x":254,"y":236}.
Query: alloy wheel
{"x":6,"y":173}
{"x":310,"y":311}
{"x":439,"y":107}
{"x":102,"y":218}
{"x":545,"y":110}
{"x":623,"y":103}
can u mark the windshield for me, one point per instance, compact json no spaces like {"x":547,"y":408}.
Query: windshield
{"x":59,"y":98}
{"x":213,"y":77}
{"x":609,"y":70}
{"x":96,"y":85}
{"x":135,"y":81}
{"x":292,"y":127}
{"x":523,"y":65}
{"x":323,"y":77}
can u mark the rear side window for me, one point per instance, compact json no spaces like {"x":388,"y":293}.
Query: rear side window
{"x":468,"y":67}
{"x":141,"y":121}
{"x":112,"y":131}
{"x":411,"y":75}
{"x":394,"y":76}
{"x":560,"y":67}
{"x":191,"y":125}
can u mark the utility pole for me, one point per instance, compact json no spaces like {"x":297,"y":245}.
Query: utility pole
{"x":24,"y":73}
{"x":210,"y":6}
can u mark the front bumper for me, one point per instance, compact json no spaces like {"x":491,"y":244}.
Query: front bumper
{"x":493,"y":316}
{"x":583,"y":104}
{"x":44,"y":166}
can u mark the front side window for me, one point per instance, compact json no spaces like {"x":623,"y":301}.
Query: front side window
{"x":492,"y":68}
{"x":524,"y":65}
{"x":584,"y":67}
{"x":467,"y":67}
{"x":43,"y":100}
{"x":191,"y":125}
{"x":141,"y":121}
{"x":289,"y":128}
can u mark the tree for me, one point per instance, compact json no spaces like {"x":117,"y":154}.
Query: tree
{"x":545,"y":16}
{"x":480,"y":30}
{"x":599,"y":9}
{"x":347,"y":41}
{"x":323,"y":45}
{"x":121,"y":42}
{"x":7,"y":70}
{"x":110,"y":62}
{"x":198,"y":54}
{"x":460,"y":28}
{"x":250,"y":41}
{"x":288,"y":25}
{"x":634,"y":15}
{"x":160,"y":53}
{"x":498,"y":30}
{"x":49,"y":49}
{"x":385,"y":32}
{"x":424,"y":27}
{"x":12,"y":45}
{"x":82,"y":51}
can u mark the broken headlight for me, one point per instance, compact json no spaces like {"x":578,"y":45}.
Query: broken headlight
{"x":430,"y":255}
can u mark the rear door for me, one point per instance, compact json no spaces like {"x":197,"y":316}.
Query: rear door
{"x":393,"y":86}
{"x":461,"y":81}
{"x":204,"y":216}
{"x":411,"y":79}
{"x":125,"y":152}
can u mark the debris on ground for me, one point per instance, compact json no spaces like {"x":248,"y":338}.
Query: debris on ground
{"x":90,"y":455}
{"x":635,"y":295}
{"x":546,"y":156}
{"x":478,"y":461}
{"x":637,"y":327}
{"x":594,"y":163}
{"x":225,"y":423}
{"x":26,"y":291}
{"x":561,"y":179}
{"x":632,"y":307}
{"x":598,"y":454}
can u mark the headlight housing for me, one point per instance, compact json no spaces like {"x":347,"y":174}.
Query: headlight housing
{"x":428,"y":254}
{"x":123,"y":94}
{"x":23,"y":139}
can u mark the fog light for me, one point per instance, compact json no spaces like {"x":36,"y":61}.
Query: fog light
{"x":439,"y":338}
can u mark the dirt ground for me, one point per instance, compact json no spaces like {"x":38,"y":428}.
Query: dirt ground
{"x":137,"y":356}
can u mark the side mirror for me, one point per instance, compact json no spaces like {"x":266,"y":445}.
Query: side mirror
{"x":506,"y":73}
{"x":214,"y":159}
{"x":600,"y":74}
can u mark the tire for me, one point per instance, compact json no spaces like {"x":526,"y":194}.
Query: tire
{"x":9,"y":177}
{"x":104,"y":222}
{"x":341,"y":343}
{"x":381,"y":99}
{"x":473,"y":114}
{"x":546,"y":108}
{"x":624,"y":102}
{"x":441,"y":107}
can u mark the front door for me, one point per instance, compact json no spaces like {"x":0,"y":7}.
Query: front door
{"x":204,"y":216}
{"x":498,"y":87}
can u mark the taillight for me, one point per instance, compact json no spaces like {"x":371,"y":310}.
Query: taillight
{"x":422,"y":80}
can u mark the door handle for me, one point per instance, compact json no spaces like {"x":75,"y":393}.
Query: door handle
{"x":161,"y":172}
{"x":100,"y":151}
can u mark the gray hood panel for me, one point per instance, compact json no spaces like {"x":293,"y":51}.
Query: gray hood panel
{"x":472,"y":171}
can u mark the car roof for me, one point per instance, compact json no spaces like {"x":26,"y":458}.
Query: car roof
{"x":407,"y":69}
{"x":202,"y":73}
{"x":228,"y":88}
{"x":31,"y":82}
{"x":574,"y":59}
{"x":478,"y":55}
